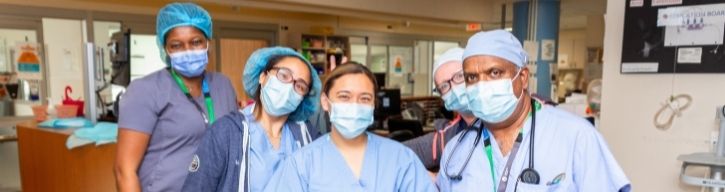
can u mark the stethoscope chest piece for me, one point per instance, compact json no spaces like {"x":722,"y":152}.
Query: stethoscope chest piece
{"x":530,"y":176}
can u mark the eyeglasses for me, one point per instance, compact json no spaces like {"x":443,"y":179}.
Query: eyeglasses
{"x":444,"y":87}
{"x":285,"y":76}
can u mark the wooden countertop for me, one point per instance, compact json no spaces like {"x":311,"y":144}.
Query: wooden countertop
{"x":10,"y":121}
{"x":47,"y":165}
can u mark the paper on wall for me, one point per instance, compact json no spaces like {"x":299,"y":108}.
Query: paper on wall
{"x":711,"y":34}
{"x":689,"y":55}
{"x":640,"y":67}
{"x":28,"y":61}
{"x":692,"y":17}
{"x":665,"y":2}
{"x":636,"y":3}
{"x":548,"y":49}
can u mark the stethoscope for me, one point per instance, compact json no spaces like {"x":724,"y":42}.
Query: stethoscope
{"x":528,"y":175}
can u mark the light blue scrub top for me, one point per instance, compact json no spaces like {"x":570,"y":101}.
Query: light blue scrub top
{"x":263,"y":158}
{"x":564,"y":144}
{"x":387,"y":166}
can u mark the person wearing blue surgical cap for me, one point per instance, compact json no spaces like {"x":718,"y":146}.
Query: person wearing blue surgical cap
{"x":164,"y":114}
{"x":520,"y":143}
{"x":349,"y":158}
{"x":449,"y":82}
{"x":242,"y":150}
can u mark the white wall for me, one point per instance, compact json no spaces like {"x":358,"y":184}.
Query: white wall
{"x":63,"y":39}
{"x":629,"y":102}
{"x":573,"y":44}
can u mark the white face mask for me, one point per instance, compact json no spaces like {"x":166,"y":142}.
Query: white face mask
{"x":351,"y":119}
{"x":493,"y":101}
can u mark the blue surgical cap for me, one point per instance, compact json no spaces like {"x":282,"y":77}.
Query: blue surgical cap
{"x":180,"y":14}
{"x":259,"y":60}
{"x":498,"y":43}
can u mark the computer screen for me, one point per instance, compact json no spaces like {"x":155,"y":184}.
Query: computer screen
{"x":388,"y":103}
{"x":380,"y":78}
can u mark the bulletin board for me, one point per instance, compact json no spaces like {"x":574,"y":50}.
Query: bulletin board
{"x":673,"y":36}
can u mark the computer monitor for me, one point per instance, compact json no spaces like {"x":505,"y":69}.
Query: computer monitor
{"x":380,"y":78}
{"x":388,"y":103}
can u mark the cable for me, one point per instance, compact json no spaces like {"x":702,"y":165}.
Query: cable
{"x":673,"y":104}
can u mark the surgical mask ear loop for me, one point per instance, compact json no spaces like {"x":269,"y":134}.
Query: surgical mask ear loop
{"x":518,"y":73}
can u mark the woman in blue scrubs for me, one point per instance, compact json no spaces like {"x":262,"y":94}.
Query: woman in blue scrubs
{"x":243,"y":149}
{"x":348,"y":158}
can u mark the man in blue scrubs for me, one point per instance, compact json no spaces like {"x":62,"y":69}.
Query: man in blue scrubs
{"x":521,"y":144}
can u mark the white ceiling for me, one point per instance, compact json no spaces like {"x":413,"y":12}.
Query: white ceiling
{"x":438,"y":12}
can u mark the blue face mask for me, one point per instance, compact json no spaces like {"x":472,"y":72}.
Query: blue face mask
{"x":279,"y":98}
{"x":456,"y":99}
{"x":493,"y":101}
{"x":351,"y":119}
{"x":189,"y":63}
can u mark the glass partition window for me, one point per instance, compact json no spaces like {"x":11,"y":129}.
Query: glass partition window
{"x":102,"y":32}
{"x":145,"y":56}
{"x":359,"y":53}
{"x":378,"y":62}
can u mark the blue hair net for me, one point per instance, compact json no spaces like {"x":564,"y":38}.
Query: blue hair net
{"x":259,"y":60}
{"x":498,"y":43}
{"x":180,"y":14}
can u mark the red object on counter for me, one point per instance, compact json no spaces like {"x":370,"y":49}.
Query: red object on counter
{"x":68,"y":101}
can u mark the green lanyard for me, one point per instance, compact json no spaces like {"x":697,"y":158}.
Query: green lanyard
{"x":489,"y":150}
{"x":207,"y":97}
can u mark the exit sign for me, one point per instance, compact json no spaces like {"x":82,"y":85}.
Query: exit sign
{"x":473,"y":27}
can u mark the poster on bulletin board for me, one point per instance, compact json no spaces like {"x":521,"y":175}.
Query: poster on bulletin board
{"x":673,"y":36}
{"x":27,"y":61}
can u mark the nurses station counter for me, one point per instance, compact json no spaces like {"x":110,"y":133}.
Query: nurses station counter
{"x":47,"y":165}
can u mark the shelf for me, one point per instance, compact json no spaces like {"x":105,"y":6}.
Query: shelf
{"x":313,"y":49}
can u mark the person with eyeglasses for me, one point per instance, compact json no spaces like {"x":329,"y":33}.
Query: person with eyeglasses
{"x":243,"y":149}
{"x":519,"y":143}
{"x":349,"y":158}
{"x":163,"y":115}
{"x":449,"y":81}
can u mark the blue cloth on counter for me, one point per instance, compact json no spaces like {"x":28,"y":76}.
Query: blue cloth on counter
{"x":102,"y":133}
{"x":66,"y":123}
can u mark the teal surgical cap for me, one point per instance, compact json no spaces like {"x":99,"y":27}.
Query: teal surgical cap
{"x":180,"y":14}
{"x":257,"y":63}
{"x":498,"y":43}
